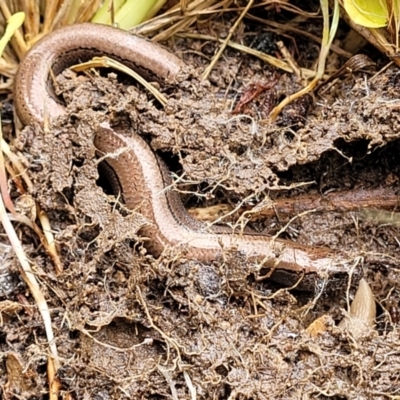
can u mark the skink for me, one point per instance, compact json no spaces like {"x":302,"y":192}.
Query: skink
{"x":140,"y":176}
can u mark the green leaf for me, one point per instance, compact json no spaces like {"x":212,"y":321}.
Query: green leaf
{"x":14,"y":23}
{"x":103,"y":14}
{"x":368,"y":13}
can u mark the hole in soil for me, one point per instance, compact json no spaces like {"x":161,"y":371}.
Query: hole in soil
{"x":333,"y":171}
{"x":104,"y":179}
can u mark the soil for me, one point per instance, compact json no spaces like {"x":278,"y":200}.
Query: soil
{"x":128,"y":325}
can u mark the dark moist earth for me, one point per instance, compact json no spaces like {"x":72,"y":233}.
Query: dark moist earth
{"x":131,"y":326}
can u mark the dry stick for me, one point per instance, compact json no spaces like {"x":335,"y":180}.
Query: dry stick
{"x":55,"y":384}
{"x":49,"y":242}
{"x":227,"y":39}
{"x":289,"y":59}
{"x":363,"y":200}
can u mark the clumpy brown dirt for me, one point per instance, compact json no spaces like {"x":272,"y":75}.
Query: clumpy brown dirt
{"x":128,"y":325}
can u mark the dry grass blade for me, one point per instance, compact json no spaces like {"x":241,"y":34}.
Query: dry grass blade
{"x":43,"y":17}
{"x":329,"y":31}
{"x":3,"y":181}
{"x":50,"y":15}
{"x":173,"y":21}
{"x":226,"y":40}
{"x":14,"y":22}
{"x":107,"y":62}
{"x":59,"y":13}
{"x":106,"y":13}
{"x":273,"y":61}
{"x":31,"y":8}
